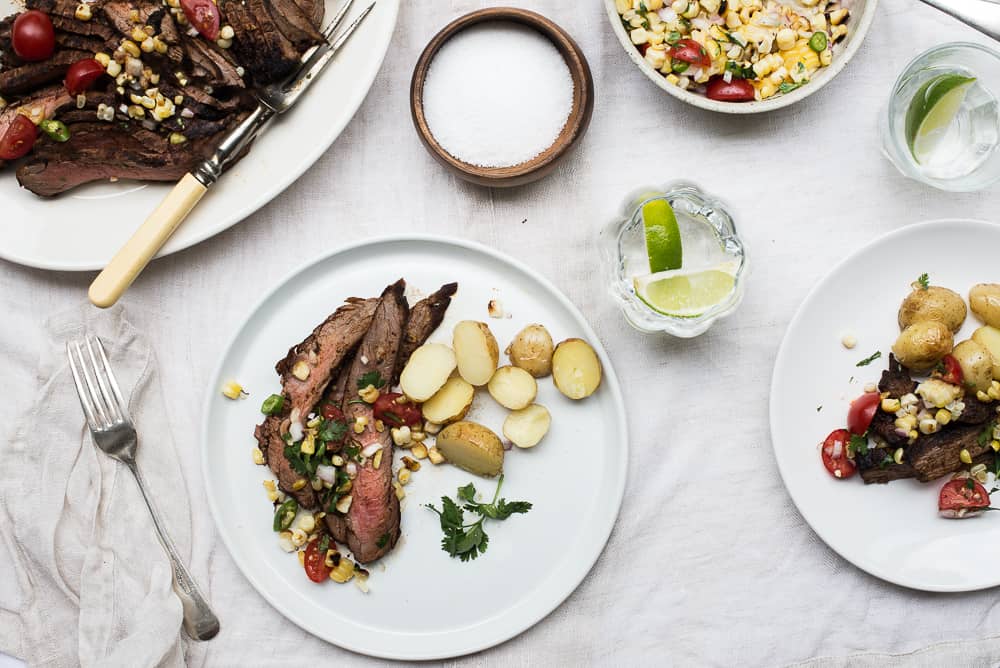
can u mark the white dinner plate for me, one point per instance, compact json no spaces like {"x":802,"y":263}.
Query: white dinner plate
{"x":892,"y":531}
{"x":82,"y":229}
{"x":424,"y":604}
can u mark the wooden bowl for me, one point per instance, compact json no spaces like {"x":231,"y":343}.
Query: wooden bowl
{"x":542,"y":164}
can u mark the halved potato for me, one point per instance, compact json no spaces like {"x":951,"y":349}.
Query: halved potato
{"x":989,"y":338}
{"x":576,"y":370}
{"x":425,"y":373}
{"x":531,"y":350}
{"x":476,"y":350}
{"x":450,"y":403}
{"x":976,"y":362}
{"x":984,"y":299}
{"x":526,"y":427}
{"x":512,"y":387}
{"x":472,"y":447}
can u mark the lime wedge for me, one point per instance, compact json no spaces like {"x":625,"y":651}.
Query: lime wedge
{"x":686,"y":294}
{"x":663,"y":237}
{"x":932,"y":110}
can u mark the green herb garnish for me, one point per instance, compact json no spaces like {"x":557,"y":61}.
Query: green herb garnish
{"x":924,"y":281}
{"x":382,"y":541}
{"x":740,"y":71}
{"x":858,"y":445}
{"x":987,"y":434}
{"x":871,"y":358}
{"x":886,"y":461}
{"x":273,"y":405}
{"x":304,"y":465}
{"x":787,"y":87}
{"x":332,"y":431}
{"x":372,"y":378}
{"x":468,"y":541}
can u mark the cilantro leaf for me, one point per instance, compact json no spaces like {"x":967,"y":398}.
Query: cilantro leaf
{"x":467,"y":493}
{"x":382,"y":541}
{"x":468,"y":541}
{"x":924,"y":281}
{"x":871,"y":358}
{"x":372,"y":378}
{"x":858,"y":445}
{"x":986,"y":435}
{"x":332,"y":431}
{"x":789,"y":87}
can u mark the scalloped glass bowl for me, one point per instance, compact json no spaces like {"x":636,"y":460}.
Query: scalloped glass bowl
{"x":709,"y":237}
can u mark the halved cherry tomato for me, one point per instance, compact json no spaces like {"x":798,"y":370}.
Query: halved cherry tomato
{"x":690,"y":51}
{"x":391,"y":411}
{"x":737,"y":90}
{"x":861,"y":412}
{"x":834,"y":453}
{"x":82,"y":74}
{"x":204,"y":16}
{"x":315,"y":562}
{"x":18,"y":139}
{"x":33,"y":36}
{"x":960,"y":499}
{"x":952,"y":371}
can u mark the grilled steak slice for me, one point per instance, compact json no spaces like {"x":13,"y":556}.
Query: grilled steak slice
{"x":97,"y":151}
{"x":266,"y":54}
{"x":294,"y":23}
{"x":268,"y":435}
{"x":896,"y":379}
{"x":936,"y":455}
{"x":49,"y":102}
{"x":32,"y":75}
{"x":87,"y":28}
{"x":322,"y":352}
{"x":877,"y":466}
{"x":883,"y":427}
{"x":976,"y":411}
{"x":425,"y":317}
{"x":313,"y":9}
{"x":65,"y":8}
{"x":221,"y":68}
{"x":371,"y":526}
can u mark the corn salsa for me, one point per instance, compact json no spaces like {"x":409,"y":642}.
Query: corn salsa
{"x":735,"y":50}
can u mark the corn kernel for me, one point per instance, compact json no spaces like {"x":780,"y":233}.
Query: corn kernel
{"x":113,"y":68}
{"x":285,"y":541}
{"x":837,"y":16}
{"x":435,"y":456}
{"x":224,"y":43}
{"x":377,"y":460}
{"x":890,"y":405}
{"x":419,"y":451}
{"x":233,"y":390}
{"x":403,"y":476}
{"x":258,"y":456}
{"x":148,"y":45}
{"x":929,"y":426}
{"x":401,"y":436}
{"x":299,"y":537}
{"x":943,"y":416}
{"x":131,"y":48}
{"x":638,"y":36}
{"x":400,"y":492}
{"x":965,"y":456}
{"x":177,"y":138}
{"x":307,"y":523}
{"x":227,"y":32}
{"x":417,"y":435}
{"x":344,"y":504}
{"x":138,"y":34}
{"x":83,"y":12}
{"x":360,"y":422}
{"x":369,"y":394}
{"x":431,"y":428}
{"x":269,"y":485}
{"x":308,"y":446}
{"x":298,"y":484}
{"x":897,"y":456}
{"x":995,"y":444}
{"x":103,"y":59}
{"x":300,"y":370}
{"x":343,"y":572}
{"x":337,"y":460}
{"x":302,"y":557}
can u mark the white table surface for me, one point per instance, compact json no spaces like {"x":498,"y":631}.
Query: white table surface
{"x":709,"y":563}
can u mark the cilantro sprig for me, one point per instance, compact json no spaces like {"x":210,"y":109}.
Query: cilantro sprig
{"x":373,"y":378}
{"x":924,"y":281}
{"x":871,"y":358}
{"x":468,"y":541}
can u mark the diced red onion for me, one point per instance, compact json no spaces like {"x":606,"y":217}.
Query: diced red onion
{"x":507,"y":445}
{"x":326,"y":473}
{"x":667,"y":14}
{"x":727,"y":76}
{"x":187,"y":113}
{"x":838,"y":449}
{"x":352,"y":469}
{"x":371,"y":449}
{"x":700,"y":22}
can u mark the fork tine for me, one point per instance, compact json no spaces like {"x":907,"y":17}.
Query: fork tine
{"x":96,"y":400}
{"x":339,"y":42}
{"x":337,"y":19}
{"x":122,"y":404}
{"x":85,"y":402}
{"x":114,"y":409}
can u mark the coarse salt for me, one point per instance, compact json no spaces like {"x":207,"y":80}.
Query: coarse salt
{"x":497,"y":95}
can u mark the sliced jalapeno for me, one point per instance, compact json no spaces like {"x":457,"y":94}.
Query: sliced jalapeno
{"x":818,"y":42}
{"x":56,"y":130}
{"x":285,"y":514}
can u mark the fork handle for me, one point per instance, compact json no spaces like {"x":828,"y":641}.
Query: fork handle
{"x":199,"y":621}
{"x":133,"y":257}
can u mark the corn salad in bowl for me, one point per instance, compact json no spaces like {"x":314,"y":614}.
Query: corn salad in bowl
{"x":714,"y":53}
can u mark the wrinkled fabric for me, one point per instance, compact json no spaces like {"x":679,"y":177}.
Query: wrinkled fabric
{"x":709,"y":564}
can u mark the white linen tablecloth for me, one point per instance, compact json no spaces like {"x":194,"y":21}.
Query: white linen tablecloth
{"x":709,"y":564}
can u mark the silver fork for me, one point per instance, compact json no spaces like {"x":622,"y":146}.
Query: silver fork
{"x":113,"y":432}
{"x":133,"y":257}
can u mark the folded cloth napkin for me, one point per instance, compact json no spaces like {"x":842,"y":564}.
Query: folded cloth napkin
{"x":90,"y":584}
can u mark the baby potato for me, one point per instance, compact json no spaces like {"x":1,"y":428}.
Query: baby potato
{"x":450,"y":403}
{"x":526,"y":427}
{"x":985,"y":302}
{"x":922,"y":345}
{"x":933,"y":303}
{"x":472,"y":447}
{"x":426,"y":371}
{"x":576,"y":370}
{"x":531,"y":350}
{"x":477,"y":351}
{"x":977,"y":364}
{"x":989,"y":338}
{"x":512,"y":387}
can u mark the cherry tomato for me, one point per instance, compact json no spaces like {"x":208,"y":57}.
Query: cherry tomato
{"x":389,"y":410}
{"x":834,"y":453}
{"x":315,"y":562}
{"x":690,"y":51}
{"x":737,"y":90}
{"x":204,"y":16}
{"x":952,"y":371}
{"x":33,"y":36}
{"x":861,"y":412}
{"x":18,"y":139}
{"x":82,"y":74}
{"x":962,"y":498}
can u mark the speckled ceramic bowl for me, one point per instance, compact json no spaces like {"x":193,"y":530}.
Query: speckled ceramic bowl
{"x":862,"y":14}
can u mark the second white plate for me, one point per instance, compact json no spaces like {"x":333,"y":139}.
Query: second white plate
{"x":423,"y":604}
{"x":892,"y":531}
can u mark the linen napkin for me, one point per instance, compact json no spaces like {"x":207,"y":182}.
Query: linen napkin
{"x":87,"y":581}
